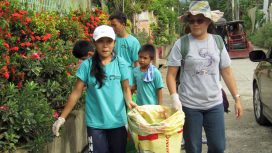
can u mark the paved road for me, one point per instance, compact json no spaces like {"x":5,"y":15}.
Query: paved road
{"x":245,"y":135}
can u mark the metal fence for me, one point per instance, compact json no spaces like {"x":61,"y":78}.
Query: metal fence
{"x":62,"y":6}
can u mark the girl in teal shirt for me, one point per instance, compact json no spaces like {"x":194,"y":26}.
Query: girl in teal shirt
{"x":108,"y":90}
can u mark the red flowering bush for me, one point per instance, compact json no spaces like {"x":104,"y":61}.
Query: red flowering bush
{"x":90,"y":20}
{"x":37,"y":70}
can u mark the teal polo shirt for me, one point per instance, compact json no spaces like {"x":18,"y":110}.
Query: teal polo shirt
{"x":105,"y":106}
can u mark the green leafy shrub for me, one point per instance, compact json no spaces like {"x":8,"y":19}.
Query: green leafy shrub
{"x":25,"y":117}
{"x":143,"y":37}
{"x":37,"y":70}
{"x":263,"y":38}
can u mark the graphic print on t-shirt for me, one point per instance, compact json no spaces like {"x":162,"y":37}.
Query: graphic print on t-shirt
{"x":205,"y":64}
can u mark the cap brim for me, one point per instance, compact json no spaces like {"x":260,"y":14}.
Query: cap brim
{"x":95,"y":39}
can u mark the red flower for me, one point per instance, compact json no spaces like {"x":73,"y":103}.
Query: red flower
{"x":8,"y":35}
{"x":32,"y":38}
{"x":6,"y":59}
{"x":95,"y":24}
{"x":23,"y":12}
{"x":7,"y":4}
{"x":22,"y":44}
{"x":74,"y":18}
{"x":14,"y":48}
{"x":47,"y":36}
{"x":38,"y":37}
{"x":12,"y":70}
{"x":4,"y":107}
{"x":88,"y":24}
{"x":97,"y":19}
{"x":28,"y":44}
{"x":23,"y":32}
{"x":6,"y":45}
{"x":4,"y":69}
{"x":17,"y":15}
{"x":68,"y":73}
{"x":5,"y":75}
{"x":56,"y":115}
{"x":20,"y":85}
{"x":28,"y":19}
{"x":35,"y":56}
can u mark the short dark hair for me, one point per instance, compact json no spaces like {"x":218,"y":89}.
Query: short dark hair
{"x":148,"y":48}
{"x":120,"y":16}
{"x":81,"y":48}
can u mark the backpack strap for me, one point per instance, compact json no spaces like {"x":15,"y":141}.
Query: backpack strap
{"x":184,"y":47}
{"x":219,"y":42}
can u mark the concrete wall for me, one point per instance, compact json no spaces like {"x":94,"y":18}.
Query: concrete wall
{"x":73,"y":136}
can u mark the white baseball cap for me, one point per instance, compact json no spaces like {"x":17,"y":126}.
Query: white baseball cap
{"x":103,"y":31}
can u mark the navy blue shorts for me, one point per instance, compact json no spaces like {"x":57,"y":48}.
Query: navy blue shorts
{"x":107,"y":140}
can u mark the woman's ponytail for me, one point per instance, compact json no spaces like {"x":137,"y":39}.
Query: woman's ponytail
{"x":97,"y":70}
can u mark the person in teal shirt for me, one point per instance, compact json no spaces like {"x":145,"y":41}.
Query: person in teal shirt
{"x":147,"y":78}
{"x":108,"y":90}
{"x":126,"y":46}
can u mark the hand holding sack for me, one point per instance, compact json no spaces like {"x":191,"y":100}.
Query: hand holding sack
{"x":176,"y":102}
{"x":56,"y":126}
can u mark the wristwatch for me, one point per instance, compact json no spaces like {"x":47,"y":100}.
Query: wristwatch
{"x":236,"y":96}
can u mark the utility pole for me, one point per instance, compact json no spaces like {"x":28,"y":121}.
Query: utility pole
{"x":123,"y":6}
{"x":238,"y":10}
{"x":232,"y":8}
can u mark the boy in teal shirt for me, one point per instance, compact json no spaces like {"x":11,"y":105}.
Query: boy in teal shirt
{"x":126,"y":46}
{"x":147,"y":78}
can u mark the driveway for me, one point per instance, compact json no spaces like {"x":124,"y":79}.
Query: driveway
{"x":245,"y":135}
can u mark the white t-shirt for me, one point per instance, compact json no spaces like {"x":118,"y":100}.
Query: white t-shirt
{"x":200,"y":86}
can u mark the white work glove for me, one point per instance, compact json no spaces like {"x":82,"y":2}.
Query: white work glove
{"x":56,"y":126}
{"x":176,"y":102}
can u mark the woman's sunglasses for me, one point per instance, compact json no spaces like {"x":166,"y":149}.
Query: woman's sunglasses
{"x":198,"y":21}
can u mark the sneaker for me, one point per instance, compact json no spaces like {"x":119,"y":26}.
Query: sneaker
{"x":182,"y":144}
{"x":204,"y":140}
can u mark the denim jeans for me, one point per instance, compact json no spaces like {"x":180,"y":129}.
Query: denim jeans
{"x":107,"y":140}
{"x":212,"y":120}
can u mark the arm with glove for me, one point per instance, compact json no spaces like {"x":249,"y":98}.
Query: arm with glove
{"x":171,"y":84}
{"x":72,"y":100}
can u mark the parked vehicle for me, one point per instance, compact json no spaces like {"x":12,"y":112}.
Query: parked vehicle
{"x":262,"y":86}
{"x":237,"y":43}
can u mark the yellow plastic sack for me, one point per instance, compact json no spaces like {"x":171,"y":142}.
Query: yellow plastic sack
{"x":156,"y":129}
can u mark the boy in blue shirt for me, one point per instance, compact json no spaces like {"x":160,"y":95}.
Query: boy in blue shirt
{"x":147,"y":78}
